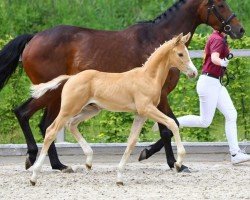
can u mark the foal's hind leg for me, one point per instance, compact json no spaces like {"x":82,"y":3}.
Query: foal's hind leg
{"x":87,"y":113}
{"x":67,"y":111}
{"x":51,"y":112}
{"x":134,"y":133}
{"x":50,"y":136}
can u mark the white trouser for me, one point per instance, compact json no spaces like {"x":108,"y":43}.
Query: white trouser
{"x":213,"y":95}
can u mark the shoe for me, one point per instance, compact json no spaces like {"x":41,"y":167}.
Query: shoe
{"x":240,"y":157}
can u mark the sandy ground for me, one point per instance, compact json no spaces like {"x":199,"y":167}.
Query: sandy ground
{"x":151,"y":179}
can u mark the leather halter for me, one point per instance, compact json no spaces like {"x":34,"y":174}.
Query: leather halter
{"x":225,"y":24}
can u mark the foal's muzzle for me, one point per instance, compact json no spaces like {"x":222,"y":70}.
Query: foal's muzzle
{"x":192,"y":75}
{"x":191,"y":70}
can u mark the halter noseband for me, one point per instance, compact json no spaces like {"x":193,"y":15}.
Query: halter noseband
{"x":225,"y":23}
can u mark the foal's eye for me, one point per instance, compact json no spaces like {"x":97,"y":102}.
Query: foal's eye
{"x":180,"y":54}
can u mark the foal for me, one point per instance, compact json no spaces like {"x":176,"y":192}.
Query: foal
{"x":85,"y":94}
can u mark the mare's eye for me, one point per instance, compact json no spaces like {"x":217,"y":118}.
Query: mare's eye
{"x":221,"y":6}
{"x":180,"y":54}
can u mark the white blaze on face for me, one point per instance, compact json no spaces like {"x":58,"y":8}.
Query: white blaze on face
{"x":191,"y":69}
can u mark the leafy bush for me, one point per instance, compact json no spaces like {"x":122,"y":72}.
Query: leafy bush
{"x":22,"y":16}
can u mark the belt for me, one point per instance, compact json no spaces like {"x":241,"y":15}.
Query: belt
{"x":211,"y":75}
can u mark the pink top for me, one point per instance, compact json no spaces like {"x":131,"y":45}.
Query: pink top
{"x":216,"y":43}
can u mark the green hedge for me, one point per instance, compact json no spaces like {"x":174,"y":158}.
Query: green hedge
{"x":28,"y":16}
{"x":114,"y":127}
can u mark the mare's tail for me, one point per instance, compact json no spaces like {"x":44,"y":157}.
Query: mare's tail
{"x":9,"y":57}
{"x":40,"y":89}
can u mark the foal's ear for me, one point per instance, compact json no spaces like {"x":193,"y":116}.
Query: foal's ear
{"x":178,"y":38}
{"x":186,"y":38}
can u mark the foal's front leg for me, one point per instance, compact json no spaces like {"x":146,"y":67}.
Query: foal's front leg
{"x":134,"y":133}
{"x":153,"y":113}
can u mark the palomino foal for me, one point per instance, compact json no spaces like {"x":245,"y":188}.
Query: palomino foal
{"x":138,"y":91}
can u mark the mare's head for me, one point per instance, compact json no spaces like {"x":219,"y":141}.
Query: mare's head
{"x":179,"y":56}
{"x":218,"y":15}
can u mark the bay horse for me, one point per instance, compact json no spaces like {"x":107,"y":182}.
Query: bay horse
{"x":69,"y":50}
{"x":137,"y":91}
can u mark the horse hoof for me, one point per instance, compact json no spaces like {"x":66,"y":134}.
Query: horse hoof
{"x":28,"y":163}
{"x":119,"y":183}
{"x":183,"y":168}
{"x":32,"y":183}
{"x":88,"y":166}
{"x":143,"y":155}
{"x":67,"y":170}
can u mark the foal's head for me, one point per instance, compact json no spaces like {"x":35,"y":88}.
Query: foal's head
{"x":179,"y":56}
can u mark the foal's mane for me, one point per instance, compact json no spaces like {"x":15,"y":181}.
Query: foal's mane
{"x":160,"y":53}
{"x":164,"y":15}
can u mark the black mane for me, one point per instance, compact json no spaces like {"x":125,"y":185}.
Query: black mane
{"x":174,"y":7}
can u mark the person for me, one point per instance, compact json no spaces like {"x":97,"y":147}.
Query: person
{"x":212,"y":95}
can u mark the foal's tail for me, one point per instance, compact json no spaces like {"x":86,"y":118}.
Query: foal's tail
{"x":40,"y":89}
{"x":9,"y":57}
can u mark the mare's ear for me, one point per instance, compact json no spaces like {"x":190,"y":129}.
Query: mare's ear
{"x":178,"y":39}
{"x":186,"y":38}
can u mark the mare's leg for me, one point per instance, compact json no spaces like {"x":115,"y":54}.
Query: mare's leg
{"x":151,"y":150}
{"x":167,"y":134}
{"x":50,"y":114}
{"x":134,"y":133}
{"x":50,"y":136}
{"x":23,"y":114}
{"x":153,"y":113}
{"x":87,"y":113}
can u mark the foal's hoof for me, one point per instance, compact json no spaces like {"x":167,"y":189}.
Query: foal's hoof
{"x":68,"y":169}
{"x":88,"y":166}
{"x":143,"y":155}
{"x":119,"y":183}
{"x":183,"y":168}
{"x":32,"y":183}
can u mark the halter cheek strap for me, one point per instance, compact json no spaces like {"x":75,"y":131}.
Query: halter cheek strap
{"x":225,"y":24}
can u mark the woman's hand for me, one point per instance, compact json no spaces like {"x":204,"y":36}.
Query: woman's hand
{"x":215,"y":57}
{"x":224,"y":62}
